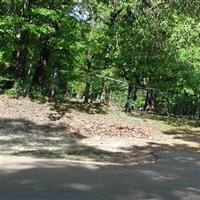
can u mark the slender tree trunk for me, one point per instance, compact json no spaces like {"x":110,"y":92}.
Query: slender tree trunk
{"x":198,"y":106}
{"x":20,"y":55}
{"x":150,"y":103}
{"x":107,"y":97}
{"x":88,"y":82}
{"x":102,"y":94}
{"x":131,"y":96}
{"x":39,"y":76}
{"x":87,"y":92}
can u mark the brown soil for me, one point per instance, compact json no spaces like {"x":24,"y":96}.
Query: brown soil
{"x":30,"y":128}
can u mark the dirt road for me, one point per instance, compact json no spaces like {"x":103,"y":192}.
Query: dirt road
{"x":176,"y":176}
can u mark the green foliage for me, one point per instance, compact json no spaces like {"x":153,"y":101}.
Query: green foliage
{"x":146,"y":43}
{"x":37,"y":94}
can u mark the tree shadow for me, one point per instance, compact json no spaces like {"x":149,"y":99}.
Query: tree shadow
{"x":186,"y":134}
{"x":64,"y":106}
{"x":175,"y":176}
{"x":20,"y":135}
{"x":51,"y":140}
{"x":169,"y":120}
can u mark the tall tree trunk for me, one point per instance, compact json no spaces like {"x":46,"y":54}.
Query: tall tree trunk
{"x":87,"y":91}
{"x":39,"y":76}
{"x":198,"y":106}
{"x":131,"y":96}
{"x":102,"y":94}
{"x":150,"y":103}
{"x":20,"y":55}
{"x":87,"y":74}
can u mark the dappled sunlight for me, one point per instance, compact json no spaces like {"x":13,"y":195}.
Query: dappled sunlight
{"x":112,"y":138}
{"x":51,"y":140}
{"x":188,"y":193}
{"x":24,"y":135}
{"x":158,"y":176}
{"x":8,"y":167}
{"x":167,"y":120}
{"x":99,"y":100}
{"x":170,"y":178}
{"x":187,"y":136}
{"x":81,"y":187}
{"x":24,"y":163}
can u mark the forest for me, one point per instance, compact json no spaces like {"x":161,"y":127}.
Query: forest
{"x":141,"y":54}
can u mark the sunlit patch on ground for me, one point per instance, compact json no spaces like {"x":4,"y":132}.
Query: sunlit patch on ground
{"x":26,"y":129}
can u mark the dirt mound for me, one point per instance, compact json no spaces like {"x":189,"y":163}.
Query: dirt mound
{"x":24,"y":108}
{"x":81,"y":123}
{"x":33,"y":129}
{"x":105,"y":125}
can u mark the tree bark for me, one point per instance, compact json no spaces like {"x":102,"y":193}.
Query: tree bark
{"x":39,"y":75}
{"x":20,"y":55}
{"x":150,"y":103}
{"x":198,"y":106}
{"x":102,"y":94}
{"x":131,"y":96}
{"x":87,"y":92}
{"x":87,"y":74}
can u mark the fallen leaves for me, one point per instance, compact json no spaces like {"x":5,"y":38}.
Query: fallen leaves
{"x":100,"y":125}
{"x":79,"y":123}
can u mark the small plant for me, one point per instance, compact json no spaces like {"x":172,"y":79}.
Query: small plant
{"x":12,"y":92}
{"x":36,"y":94}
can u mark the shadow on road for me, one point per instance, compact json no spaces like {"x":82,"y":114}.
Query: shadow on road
{"x":175,"y":177}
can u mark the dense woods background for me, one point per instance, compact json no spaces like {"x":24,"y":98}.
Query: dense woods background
{"x":150,"y":49}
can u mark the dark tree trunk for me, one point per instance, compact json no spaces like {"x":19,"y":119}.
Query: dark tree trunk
{"x":132,"y":96}
{"x":107,"y":97}
{"x":102,"y":93}
{"x":20,"y":55}
{"x":87,"y":92}
{"x":39,"y":76}
{"x":87,"y":74}
{"x":150,"y":103}
{"x":198,"y":106}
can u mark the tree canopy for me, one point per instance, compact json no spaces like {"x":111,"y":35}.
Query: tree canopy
{"x":61,"y":45}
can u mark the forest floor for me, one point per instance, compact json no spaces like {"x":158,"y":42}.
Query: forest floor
{"x":60,"y":131}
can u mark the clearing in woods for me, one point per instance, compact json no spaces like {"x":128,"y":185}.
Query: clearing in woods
{"x":31,"y":129}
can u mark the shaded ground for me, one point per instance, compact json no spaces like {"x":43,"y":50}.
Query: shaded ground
{"x":175,"y":177}
{"x":168,"y":120}
{"x":31,"y":129}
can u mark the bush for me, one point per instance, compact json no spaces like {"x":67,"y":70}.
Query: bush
{"x":12,"y":92}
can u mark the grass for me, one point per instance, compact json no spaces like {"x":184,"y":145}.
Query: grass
{"x":167,"y":121}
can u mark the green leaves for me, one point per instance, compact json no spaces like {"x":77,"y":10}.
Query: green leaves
{"x":46,"y":13}
{"x":157,"y":41}
{"x":9,"y":25}
{"x":1,"y":57}
{"x":39,"y":30}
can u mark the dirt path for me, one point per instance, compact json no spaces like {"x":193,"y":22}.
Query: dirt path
{"x":29,"y":128}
